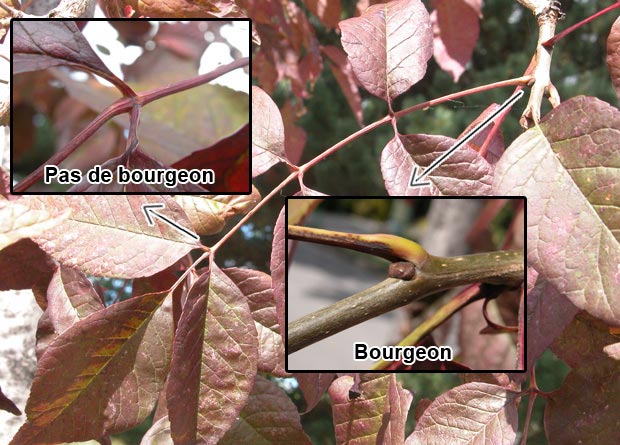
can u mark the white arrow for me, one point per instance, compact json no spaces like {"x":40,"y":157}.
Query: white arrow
{"x":415,"y":180}
{"x":149,"y":212}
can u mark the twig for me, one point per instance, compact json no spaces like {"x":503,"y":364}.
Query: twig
{"x":495,"y":268}
{"x":567,"y":31}
{"x":442,"y":315}
{"x":122,"y":106}
{"x":547,"y":20}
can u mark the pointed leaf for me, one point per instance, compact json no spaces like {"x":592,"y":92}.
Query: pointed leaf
{"x":256,"y":286}
{"x":465,"y":172}
{"x":486,"y":414}
{"x":456,"y":27}
{"x":313,"y":386}
{"x":396,"y":410}
{"x":278,"y":268}
{"x":7,"y":404}
{"x":87,"y":380}
{"x":376,"y":416}
{"x":566,"y":169}
{"x":70,"y":298}
{"x":268,"y":418}
{"x":389,"y":46}
{"x":109,"y":235}
{"x":41,"y":44}
{"x":209,"y":214}
{"x":214,"y":361}
{"x":267,"y":133}
{"x":343,"y":72}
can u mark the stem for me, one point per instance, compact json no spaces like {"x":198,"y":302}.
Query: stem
{"x":550,"y":42}
{"x":334,"y":148}
{"x":392,"y":248}
{"x":122,"y":106}
{"x":442,"y":315}
{"x":505,"y":268}
{"x":530,"y":405}
{"x":157,"y":93}
{"x":523,"y":80}
{"x":243,"y":220}
{"x":119,"y":107}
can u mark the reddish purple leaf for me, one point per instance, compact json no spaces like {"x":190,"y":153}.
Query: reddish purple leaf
{"x":256,"y":286}
{"x":213,"y":362}
{"x":278,"y":254}
{"x":613,"y":55}
{"x":13,"y":274}
{"x":228,"y":158}
{"x":584,"y":410}
{"x":294,"y":136}
{"x":496,"y":146}
{"x":18,"y":219}
{"x":313,"y":386}
{"x":269,"y":417}
{"x":548,"y":314}
{"x":486,"y":414}
{"x":456,"y":29}
{"x":110,"y":236}
{"x":208,"y":214}
{"x":70,"y":298}
{"x":7,"y":404}
{"x":566,"y":169}
{"x":582,"y":347}
{"x":463,"y":173}
{"x":377,"y":415}
{"x":267,"y":133}
{"x":389,"y":46}
{"x":396,"y":410}
{"x":328,"y":11}
{"x":343,"y":72}
{"x":41,"y":44}
{"x":88,"y":379}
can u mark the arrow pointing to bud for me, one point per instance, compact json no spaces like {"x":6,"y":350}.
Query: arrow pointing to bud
{"x":150,"y":213}
{"x":416,"y":180}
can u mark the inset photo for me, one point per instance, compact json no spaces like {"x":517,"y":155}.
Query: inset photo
{"x":130,"y":106}
{"x":406,"y":284}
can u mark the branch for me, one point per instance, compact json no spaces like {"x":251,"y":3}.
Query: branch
{"x":504,"y":268}
{"x":547,"y":20}
{"x":123,"y":106}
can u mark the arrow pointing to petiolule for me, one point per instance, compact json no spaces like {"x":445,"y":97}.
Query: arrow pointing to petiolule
{"x":149,"y":212}
{"x":416,"y":181}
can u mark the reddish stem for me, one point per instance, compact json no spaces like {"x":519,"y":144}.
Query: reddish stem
{"x":570,"y":29}
{"x":121,"y":106}
{"x":157,"y":93}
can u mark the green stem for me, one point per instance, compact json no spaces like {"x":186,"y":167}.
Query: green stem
{"x":437,"y":274}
